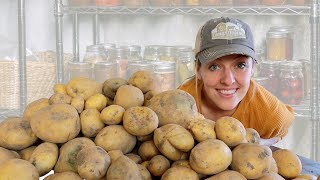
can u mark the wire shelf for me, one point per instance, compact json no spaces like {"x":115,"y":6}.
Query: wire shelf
{"x":191,"y":10}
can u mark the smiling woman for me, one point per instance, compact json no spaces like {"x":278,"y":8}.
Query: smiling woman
{"x":222,"y":86}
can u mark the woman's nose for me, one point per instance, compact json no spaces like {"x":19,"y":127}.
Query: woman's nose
{"x":227,"y":77}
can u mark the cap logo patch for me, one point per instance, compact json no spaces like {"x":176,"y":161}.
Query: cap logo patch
{"x":228,"y":31}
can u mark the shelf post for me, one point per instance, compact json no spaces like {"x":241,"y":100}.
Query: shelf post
{"x":22,"y":55}
{"x":314,"y":97}
{"x":96,"y":29}
{"x":58,"y":13}
{"x":76,"y":38}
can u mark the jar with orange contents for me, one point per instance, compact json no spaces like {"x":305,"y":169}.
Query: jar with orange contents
{"x":108,"y":2}
{"x":165,"y":2}
{"x":273,"y":2}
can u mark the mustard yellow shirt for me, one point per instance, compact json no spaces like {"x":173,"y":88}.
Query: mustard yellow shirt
{"x":259,"y":109}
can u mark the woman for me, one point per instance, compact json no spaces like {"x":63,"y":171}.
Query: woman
{"x":222,"y":86}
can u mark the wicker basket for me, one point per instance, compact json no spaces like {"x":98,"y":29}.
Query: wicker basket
{"x":41,"y":76}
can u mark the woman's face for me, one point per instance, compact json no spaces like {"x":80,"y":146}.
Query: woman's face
{"x":226,"y":81}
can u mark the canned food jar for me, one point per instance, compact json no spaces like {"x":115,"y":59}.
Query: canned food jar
{"x":134,"y":52}
{"x":210,"y":2}
{"x":151,"y":52}
{"x":245,"y":2}
{"x":166,"y":74}
{"x":165,"y":2}
{"x":94,"y":54}
{"x":81,"y":2}
{"x":134,"y":66}
{"x":279,"y":43}
{"x":135,"y":3}
{"x":185,"y":66}
{"x":108,"y":2}
{"x":306,"y":71}
{"x":263,"y":81}
{"x":270,"y":69}
{"x":79,"y":69}
{"x":273,"y":2}
{"x":105,"y":70}
{"x":291,"y":82}
{"x":192,"y":2}
{"x":168,"y":53}
{"x":298,"y":2}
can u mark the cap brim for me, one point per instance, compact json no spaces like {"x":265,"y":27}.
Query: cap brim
{"x":216,"y":52}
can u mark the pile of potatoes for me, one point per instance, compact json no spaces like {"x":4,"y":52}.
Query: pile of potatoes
{"x":127,"y":130}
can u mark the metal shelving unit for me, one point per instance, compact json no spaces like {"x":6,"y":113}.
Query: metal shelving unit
{"x":312,"y":11}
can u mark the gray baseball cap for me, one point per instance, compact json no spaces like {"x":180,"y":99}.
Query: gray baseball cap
{"x":223,"y":36}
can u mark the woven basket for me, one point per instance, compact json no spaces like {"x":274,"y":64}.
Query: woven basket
{"x":41,"y":76}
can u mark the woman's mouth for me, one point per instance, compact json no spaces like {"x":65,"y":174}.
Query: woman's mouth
{"x":227,"y":91}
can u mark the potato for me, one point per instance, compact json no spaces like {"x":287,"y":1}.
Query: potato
{"x":92,"y":162}
{"x":16,"y":134}
{"x":83,"y":87}
{"x":128,"y":96}
{"x":252,"y":136}
{"x":145,"y":163}
{"x":257,"y":156}
{"x":68,"y":154}
{"x":158,"y":165}
{"x":147,"y":150}
{"x":134,"y":157}
{"x":184,"y":163}
{"x":173,"y":141}
{"x":174,"y":107}
{"x":115,"y":154}
{"x":125,"y":169}
{"x":144,"y":80}
{"x":60,"y":88}
{"x":148,"y":95}
{"x":115,"y":137}
{"x":64,"y":176}
{"x":110,"y":86}
{"x":57,"y":98}
{"x":97,"y":101}
{"x":274,"y":166}
{"x":289,"y":164}
{"x":44,"y":157}
{"x":6,"y":154}
{"x":271,"y":176}
{"x":230,"y":130}
{"x":18,"y":169}
{"x":57,"y":123}
{"x":210,"y":157}
{"x":179,"y":173}
{"x":145,"y":174}
{"x":34,"y":107}
{"x":112,"y":114}
{"x":90,"y":121}
{"x":145,"y":138}
{"x":227,"y":174}
{"x":140,"y":121}
{"x":202,"y":129}
{"x":78,"y":103}
{"x":26,"y":153}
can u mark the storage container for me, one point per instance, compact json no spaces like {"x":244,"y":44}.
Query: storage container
{"x":105,"y":70}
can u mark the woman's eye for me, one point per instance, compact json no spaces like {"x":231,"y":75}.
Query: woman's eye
{"x":214,"y":67}
{"x":241,"y":65}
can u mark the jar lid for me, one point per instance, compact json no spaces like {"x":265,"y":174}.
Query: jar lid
{"x":287,"y":65}
{"x":282,"y":28}
{"x":277,"y":34}
{"x":183,"y":48}
{"x":168,"y":50}
{"x":95,"y":48}
{"x":122,"y":52}
{"x":105,"y":63}
{"x":186,"y":56}
{"x":108,"y":45}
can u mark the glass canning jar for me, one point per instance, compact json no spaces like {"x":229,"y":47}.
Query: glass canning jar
{"x":108,"y":2}
{"x":168,"y":53}
{"x":245,"y":2}
{"x":306,"y":70}
{"x":134,"y":66}
{"x":79,"y":69}
{"x":166,"y":74}
{"x":166,"y":2}
{"x":134,"y":52}
{"x":151,"y":52}
{"x":135,"y":3}
{"x":105,"y":70}
{"x":279,"y":43}
{"x":270,"y":69}
{"x":94,"y":54}
{"x":291,"y":82}
{"x":122,"y":58}
{"x":185,"y":66}
{"x":273,"y":2}
{"x":192,"y":2}
{"x":299,"y":2}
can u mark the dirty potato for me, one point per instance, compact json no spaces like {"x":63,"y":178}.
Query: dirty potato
{"x":91,"y":123}
{"x":112,"y":114}
{"x":97,"y":101}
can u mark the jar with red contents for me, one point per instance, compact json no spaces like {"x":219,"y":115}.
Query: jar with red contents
{"x":270,"y":69}
{"x":273,"y":2}
{"x":291,"y":85}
